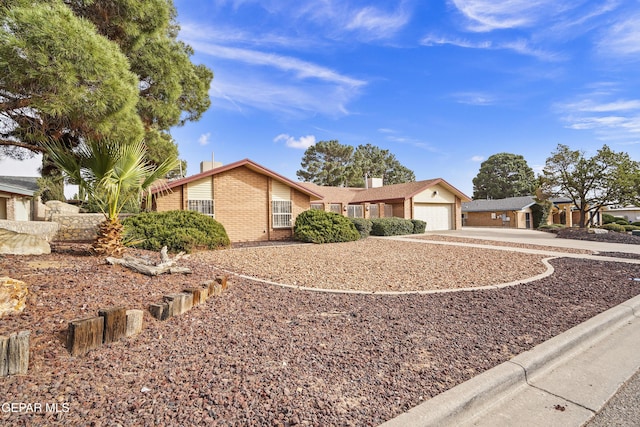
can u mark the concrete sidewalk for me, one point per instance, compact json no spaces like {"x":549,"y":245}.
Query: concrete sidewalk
{"x":561,"y":382}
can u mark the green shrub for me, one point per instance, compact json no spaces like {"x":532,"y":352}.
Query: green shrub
{"x":631,"y":227}
{"x":363,"y":226}
{"x":419,"y":226}
{"x":391,"y":227}
{"x":553,"y":228}
{"x":316,"y":226}
{"x":612,"y":226}
{"x":608,"y":218}
{"x":177,"y":230}
{"x":636,"y":223}
{"x":621,"y":221}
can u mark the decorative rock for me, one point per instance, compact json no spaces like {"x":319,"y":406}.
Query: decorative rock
{"x":13,"y":296}
{"x":134,"y":322}
{"x":13,"y":243}
{"x":597,"y":231}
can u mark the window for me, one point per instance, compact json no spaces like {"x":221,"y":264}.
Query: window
{"x":374,"y":211}
{"x":317,"y":206}
{"x":281,"y":213}
{"x":354,"y":211}
{"x":336,"y":207}
{"x":202,"y":206}
{"x":388,"y":211}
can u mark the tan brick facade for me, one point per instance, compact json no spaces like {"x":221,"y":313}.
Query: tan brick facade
{"x":242,"y":204}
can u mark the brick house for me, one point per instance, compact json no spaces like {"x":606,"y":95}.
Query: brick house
{"x":252,"y":202}
{"x":16,"y":197}
{"x":434,"y":201}
{"x":511,"y":212}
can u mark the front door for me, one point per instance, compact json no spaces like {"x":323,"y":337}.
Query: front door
{"x":527,"y":219}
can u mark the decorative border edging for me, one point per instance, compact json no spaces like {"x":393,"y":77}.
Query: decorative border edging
{"x":114,"y":323}
{"x":549,"y":271}
{"x":14,"y":353}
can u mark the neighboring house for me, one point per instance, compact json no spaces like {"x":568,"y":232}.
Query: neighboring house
{"x":434,"y":201}
{"x":16,"y":197}
{"x":515,"y":212}
{"x":512,"y":212}
{"x":630,"y":213}
{"x":252,"y":202}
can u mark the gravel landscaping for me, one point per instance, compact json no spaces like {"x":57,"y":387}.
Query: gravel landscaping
{"x":378,"y":265}
{"x":267,"y":355}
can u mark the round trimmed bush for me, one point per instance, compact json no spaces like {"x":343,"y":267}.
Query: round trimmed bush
{"x":177,"y":230}
{"x":419,"y":226}
{"x":363,"y":226}
{"x":316,"y":226}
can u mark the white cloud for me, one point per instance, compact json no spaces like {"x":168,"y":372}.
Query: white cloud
{"x":488,"y":15}
{"x":301,"y":143}
{"x":616,"y":120}
{"x":204,"y":138}
{"x":475,"y":98}
{"x":520,"y":46}
{"x":377,"y":24}
{"x":477,"y":159}
{"x":622,"y":39}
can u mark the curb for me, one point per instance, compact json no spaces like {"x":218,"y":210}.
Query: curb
{"x":461,"y":403}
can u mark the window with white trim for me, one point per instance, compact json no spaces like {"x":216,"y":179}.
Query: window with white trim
{"x":336,"y":208}
{"x":202,"y":206}
{"x":317,"y":206}
{"x":281,"y":213}
{"x":354,"y":211}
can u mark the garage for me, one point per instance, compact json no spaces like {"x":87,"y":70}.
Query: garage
{"x":438,"y":216}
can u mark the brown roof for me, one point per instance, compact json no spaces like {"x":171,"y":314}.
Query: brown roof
{"x":246,"y":163}
{"x":391,"y":192}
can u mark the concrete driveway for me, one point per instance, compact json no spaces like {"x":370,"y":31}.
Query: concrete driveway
{"x":533,"y":237}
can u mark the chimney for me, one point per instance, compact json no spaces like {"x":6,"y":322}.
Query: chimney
{"x":206,"y":166}
{"x":373,"y":183}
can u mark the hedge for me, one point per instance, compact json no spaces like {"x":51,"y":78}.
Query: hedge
{"x":178,"y":230}
{"x":419,"y":226}
{"x":363,"y":226}
{"x":316,"y":226}
{"x":391,"y":227}
{"x":614,"y":227}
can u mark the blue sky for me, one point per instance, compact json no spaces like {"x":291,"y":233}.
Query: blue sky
{"x":442,"y":84}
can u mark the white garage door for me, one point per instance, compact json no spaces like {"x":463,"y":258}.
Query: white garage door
{"x":437,"y":216}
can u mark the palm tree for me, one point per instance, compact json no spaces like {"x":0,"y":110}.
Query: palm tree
{"x":111,"y":174}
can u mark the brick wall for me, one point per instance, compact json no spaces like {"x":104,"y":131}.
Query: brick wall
{"x":483,"y":219}
{"x":172,"y":200}
{"x":242,"y":204}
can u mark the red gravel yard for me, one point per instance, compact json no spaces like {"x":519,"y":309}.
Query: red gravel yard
{"x":267,"y":355}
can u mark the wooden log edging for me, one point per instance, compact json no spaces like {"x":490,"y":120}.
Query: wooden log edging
{"x":115,"y":323}
{"x":14,"y":353}
{"x":177,"y":304}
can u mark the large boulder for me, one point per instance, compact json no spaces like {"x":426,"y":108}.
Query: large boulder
{"x":13,"y":243}
{"x":13,"y":296}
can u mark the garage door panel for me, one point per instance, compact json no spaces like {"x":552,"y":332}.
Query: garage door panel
{"x":437,"y":216}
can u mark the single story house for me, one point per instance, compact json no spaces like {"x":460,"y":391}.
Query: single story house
{"x":254,"y":203}
{"x":511,"y":212}
{"x":434,"y":201}
{"x":515,"y":212}
{"x":630,"y":213}
{"x":16,"y":197}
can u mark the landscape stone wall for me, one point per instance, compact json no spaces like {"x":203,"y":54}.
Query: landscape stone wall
{"x":77,"y":227}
